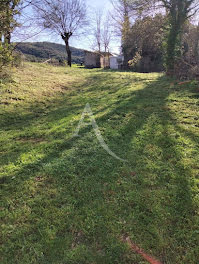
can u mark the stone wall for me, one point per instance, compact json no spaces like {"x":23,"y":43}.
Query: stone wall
{"x":92,"y":60}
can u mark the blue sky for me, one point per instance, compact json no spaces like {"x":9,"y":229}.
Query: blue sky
{"x":83,"y":42}
{"x":99,"y":3}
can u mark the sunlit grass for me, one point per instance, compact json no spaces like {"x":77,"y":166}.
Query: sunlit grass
{"x":65,"y":199}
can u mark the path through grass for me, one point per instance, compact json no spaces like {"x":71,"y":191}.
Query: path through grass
{"x":65,"y":200}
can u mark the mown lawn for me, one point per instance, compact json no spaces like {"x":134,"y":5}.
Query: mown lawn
{"x":65,"y":200}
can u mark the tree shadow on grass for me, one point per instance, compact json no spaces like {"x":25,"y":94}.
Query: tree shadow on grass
{"x":77,"y":201}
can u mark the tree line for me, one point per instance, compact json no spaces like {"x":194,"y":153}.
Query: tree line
{"x":156,"y":33}
{"x":160,"y":29}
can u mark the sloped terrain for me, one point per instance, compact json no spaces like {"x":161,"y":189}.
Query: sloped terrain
{"x":65,"y":199}
{"x":41,"y":51}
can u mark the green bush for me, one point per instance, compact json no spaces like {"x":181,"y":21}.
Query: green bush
{"x":5,"y":60}
{"x":5,"y":55}
{"x":18,"y":59}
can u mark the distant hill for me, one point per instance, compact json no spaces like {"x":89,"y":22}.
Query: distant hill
{"x":41,"y":51}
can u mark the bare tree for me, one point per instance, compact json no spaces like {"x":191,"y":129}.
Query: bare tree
{"x":122,"y":14}
{"x":107,"y":34}
{"x":64,"y":17}
{"x":97,"y":30}
{"x":102,"y":32}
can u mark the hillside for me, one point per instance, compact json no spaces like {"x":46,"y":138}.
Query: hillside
{"x":65,"y":199}
{"x":41,"y":51}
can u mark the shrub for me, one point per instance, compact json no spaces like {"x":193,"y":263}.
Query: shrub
{"x":5,"y":55}
{"x":18,"y":59}
{"x":5,"y":61}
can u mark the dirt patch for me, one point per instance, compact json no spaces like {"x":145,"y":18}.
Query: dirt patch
{"x":141,"y":252}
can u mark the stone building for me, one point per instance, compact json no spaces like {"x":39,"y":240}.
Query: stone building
{"x":92,"y":60}
{"x":97,"y":60}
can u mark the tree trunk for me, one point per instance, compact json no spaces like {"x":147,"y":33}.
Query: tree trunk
{"x":66,"y":36}
{"x":126,"y":60}
{"x":125,"y":39}
{"x":171,"y":48}
{"x":8,"y":38}
{"x":196,"y":51}
{"x":68,"y":52}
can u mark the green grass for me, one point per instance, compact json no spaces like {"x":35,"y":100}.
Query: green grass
{"x":65,"y":200}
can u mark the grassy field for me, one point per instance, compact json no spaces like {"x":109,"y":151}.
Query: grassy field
{"x":65,"y":200}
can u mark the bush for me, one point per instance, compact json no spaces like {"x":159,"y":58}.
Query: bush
{"x":5,"y":61}
{"x":5,"y":55}
{"x":186,"y":71}
{"x":18,"y":59}
{"x":9,"y":59}
{"x":135,"y":61}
